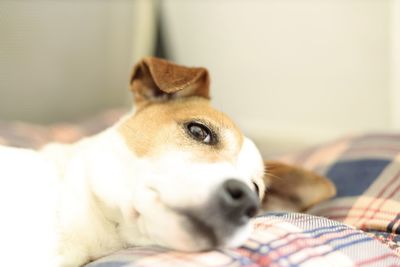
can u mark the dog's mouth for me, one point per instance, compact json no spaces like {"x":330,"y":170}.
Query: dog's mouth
{"x":203,"y":227}
{"x":211,"y":230}
{"x":199,"y":227}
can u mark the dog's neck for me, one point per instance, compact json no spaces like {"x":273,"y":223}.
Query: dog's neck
{"x":86,"y":170}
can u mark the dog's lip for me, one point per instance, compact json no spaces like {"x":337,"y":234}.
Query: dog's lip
{"x":196,"y":227}
{"x":197,"y":224}
{"x":202,"y":228}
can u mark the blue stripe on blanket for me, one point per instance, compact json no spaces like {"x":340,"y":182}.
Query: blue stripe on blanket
{"x":391,"y":225}
{"x":353,"y":177}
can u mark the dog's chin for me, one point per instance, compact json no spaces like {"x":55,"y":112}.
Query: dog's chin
{"x":193,"y":242}
{"x":190,"y":229}
{"x":239,"y":237}
{"x":191,"y":234}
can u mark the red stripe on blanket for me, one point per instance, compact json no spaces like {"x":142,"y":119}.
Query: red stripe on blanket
{"x":326,"y":211}
{"x":380,"y":194}
{"x":293,"y":243}
{"x":344,"y":216}
{"x":372,"y":260}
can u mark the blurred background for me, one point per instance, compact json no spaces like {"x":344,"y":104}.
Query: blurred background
{"x":291,"y":73}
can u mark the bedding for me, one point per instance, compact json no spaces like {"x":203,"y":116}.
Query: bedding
{"x":359,"y":227}
{"x":279,"y":239}
{"x":366,"y":172}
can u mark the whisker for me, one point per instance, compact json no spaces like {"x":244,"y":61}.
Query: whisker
{"x":273,"y":176}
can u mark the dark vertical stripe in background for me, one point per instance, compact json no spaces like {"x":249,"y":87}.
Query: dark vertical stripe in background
{"x":160,"y":48}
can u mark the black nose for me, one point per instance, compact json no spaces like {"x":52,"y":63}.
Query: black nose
{"x":238,"y":202}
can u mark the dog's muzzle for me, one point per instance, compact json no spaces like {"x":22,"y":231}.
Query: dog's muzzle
{"x":229,"y":209}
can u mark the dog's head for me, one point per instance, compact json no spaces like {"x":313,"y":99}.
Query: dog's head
{"x":196,"y":180}
{"x":196,"y":175}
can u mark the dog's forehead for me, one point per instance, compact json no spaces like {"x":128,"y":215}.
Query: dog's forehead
{"x":158,"y":127}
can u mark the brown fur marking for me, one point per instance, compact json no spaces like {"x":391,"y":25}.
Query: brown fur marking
{"x":158,"y":127}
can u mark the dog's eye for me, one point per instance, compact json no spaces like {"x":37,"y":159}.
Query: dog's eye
{"x":256,"y":188}
{"x":200,"y":132}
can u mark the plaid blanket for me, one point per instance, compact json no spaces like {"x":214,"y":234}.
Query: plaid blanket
{"x":279,"y":239}
{"x":366,"y":172}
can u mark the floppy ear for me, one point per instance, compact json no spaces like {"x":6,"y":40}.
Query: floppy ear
{"x":292,"y":188}
{"x":155,"y":79}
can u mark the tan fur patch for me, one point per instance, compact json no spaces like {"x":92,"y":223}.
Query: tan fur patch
{"x":158,"y":127}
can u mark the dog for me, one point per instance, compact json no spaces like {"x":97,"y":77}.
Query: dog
{"x":175,"y":173}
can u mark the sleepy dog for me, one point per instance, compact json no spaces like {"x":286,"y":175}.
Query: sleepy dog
{"x":175,"y":173}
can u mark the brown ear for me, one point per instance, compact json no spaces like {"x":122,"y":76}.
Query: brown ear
{"x":292,"y":188}
{"x":155,"y":79}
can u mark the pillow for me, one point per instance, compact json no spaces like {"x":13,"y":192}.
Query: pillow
{"x":366,"y":172}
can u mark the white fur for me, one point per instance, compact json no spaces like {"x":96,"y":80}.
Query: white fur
{"x":65,"y":205}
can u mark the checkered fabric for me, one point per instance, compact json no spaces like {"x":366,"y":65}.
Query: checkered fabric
{"x":366,"y":172}
{"x":279,"y":239}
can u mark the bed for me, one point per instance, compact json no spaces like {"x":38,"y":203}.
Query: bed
{"x":359,"y":227}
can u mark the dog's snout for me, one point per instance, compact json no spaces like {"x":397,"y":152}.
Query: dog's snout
{"x":237,"y":201}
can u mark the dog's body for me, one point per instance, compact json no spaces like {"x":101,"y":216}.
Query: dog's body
{"x":54,"y":213}
{"x":175,"y":173}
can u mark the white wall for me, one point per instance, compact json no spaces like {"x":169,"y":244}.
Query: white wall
{"x":62,"y":60}
{"x":290,"y":72}
{"x":293,"y":72}
{"x":395,"y":63}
